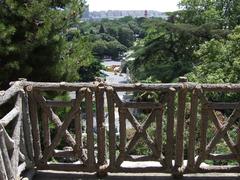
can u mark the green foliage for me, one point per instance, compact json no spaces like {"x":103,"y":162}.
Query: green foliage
{"x":220,"y":63}
{"x":38,"y":41}
{"x":225,"y":13}
{"x":112,"y":37}
{"x":167,"y":51}
{"x":103,"y":48}
{"x":126,"y":36}
{"x":114,"y":49}
{"x":88,"y":72}
{"x":101,"y":30}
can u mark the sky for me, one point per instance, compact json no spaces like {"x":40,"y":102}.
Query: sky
{"x":160,"y":5}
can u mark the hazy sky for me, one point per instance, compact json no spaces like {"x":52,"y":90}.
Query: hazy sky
{"x":160,"y":5}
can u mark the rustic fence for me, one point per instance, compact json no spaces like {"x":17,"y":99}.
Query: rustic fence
{"x":16,"y":151}
{"x":49,"y":133}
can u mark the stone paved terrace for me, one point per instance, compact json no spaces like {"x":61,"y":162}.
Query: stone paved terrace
{"x":52,"y":175}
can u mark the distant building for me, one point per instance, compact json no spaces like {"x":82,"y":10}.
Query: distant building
{"x":146,"y":13}
{"x":116,"y":14}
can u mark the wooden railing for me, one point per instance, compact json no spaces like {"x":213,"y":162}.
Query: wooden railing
{"x":181,"y":132}
{"x":15,"y":134}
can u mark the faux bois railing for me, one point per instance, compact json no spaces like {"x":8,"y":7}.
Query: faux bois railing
{"x":181,"y":132}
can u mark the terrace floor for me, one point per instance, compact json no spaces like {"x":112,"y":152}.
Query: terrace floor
{"x":53,"y":175}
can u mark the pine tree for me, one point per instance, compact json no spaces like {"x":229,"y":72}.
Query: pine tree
{"x":101,"y":29}
{"x":33,"y":40}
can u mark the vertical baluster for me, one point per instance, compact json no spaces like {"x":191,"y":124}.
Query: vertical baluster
{"x":78,"y":130}
{"x":100,"y":125}
{"x":170,"y":128}
{"x":46,"y":129}
{"x":23,"y":149}
{"x":203,"y":134}
{"x":180,"y":130}
{"x":192,"y":130}
{"x":158,"y":135}
{"x":16,"y":137}
{"x":27,"y":128}
{"x":90,"y":132}
{"x":123,"y":136}
{"x":35,"y":125}
{"x":111,"y":118}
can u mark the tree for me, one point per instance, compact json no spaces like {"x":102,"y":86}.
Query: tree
{"x":99,"y":48}
{"x":33,"y":40}
{"x":220,"y":61}
{"x":114,"y":49}
{"x":103,"y":48}
{"x":225,"y":13}
{"x":88,"y":72}
{"x":101,"y":30}
{"x":126,"y":36}
{"x":113,"y":31}
{"x":168,"y":50}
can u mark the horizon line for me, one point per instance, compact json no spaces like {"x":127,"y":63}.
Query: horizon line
{"x":128,"y":10}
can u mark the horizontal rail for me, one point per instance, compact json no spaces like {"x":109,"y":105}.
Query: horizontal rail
{"x":223,"y":105}
{"x":5,"y":96}
{"x":9,"y":116}
{"x":62,"y":86}
{"x":65,"y":167}
{"x":65,"y":86}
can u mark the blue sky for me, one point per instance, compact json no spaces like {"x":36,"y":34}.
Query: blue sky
{"x":160,"y":5}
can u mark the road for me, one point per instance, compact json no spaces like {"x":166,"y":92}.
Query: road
{"x":116,"y":79}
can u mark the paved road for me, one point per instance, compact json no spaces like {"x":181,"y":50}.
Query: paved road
{"x":116,"y":79}
{"x":111,"y":78}
{"x":111,"y":63}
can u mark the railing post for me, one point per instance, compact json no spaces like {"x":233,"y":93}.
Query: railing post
{"x":78,"y":131}
{"x":203,"y":132}
{"x":123,"y":135}
{"x":178,"y":168}
{"x":27,"y":127}
{"x":192,"y":130}
{"x":35,"y":125}
{"x":16,"y":137}
{"x":170,"y":128}
{"x":101,"y":130}
{"x":46,"y":129}
{"x":111,"y":118}
{"x":26,"y":142}
{"x":90,"y":134}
